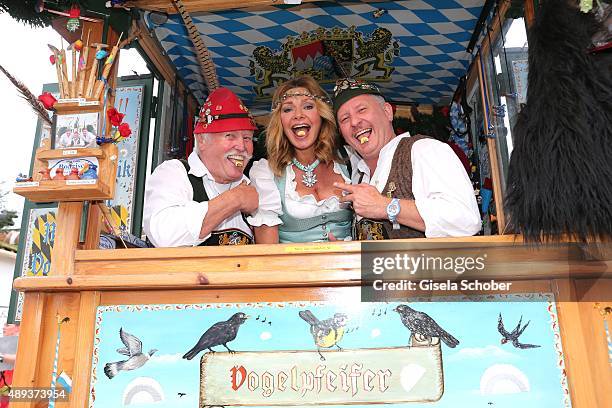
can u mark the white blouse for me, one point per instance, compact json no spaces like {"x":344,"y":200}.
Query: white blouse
{"x":442,"y":190}
{"x":270,"y":206}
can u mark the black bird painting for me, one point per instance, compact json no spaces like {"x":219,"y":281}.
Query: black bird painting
{"x":218,"y":334}
{"x":325,"y":333}
{"x":514,"y":335}
{"x":132,"y":349}
{"x":424,"y":327}
{"x":181,"y":394}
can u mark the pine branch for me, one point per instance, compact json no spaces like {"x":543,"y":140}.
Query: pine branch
{"x":38,"y":107}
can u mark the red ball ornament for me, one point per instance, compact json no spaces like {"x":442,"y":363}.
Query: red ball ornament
{"x":75,"y":12}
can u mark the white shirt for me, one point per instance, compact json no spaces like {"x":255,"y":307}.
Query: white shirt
{"x":270,"y":206}
{"x":442,"y":190}
{"x":171,"y":217}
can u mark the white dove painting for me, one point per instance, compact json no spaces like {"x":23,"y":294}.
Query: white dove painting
{"x":132,"y":349}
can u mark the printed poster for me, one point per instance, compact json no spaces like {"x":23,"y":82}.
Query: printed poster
{"x":128,"y":100}
{"x":520,"y":70}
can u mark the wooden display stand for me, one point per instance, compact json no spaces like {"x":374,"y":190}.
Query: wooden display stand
{"x":101,"y":188}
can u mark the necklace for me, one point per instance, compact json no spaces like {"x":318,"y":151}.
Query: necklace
{"x":309,"y":179}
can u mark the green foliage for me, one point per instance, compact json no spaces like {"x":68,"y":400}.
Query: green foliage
{"x":24,"y":12}
{"x":6,"y":216}
{"x":6,"y":219}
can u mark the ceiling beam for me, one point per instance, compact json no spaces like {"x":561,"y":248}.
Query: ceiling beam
{"x":207,"y":68}
{"x":194,"y":6}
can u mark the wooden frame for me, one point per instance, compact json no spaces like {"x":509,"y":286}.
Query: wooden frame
{"x":192,"y":6}
{"x":476,"y":74}
{"x":59,"y":190}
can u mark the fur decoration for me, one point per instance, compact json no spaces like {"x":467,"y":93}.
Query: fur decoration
{"x":36,"y":105}
{"x":560,"y":172}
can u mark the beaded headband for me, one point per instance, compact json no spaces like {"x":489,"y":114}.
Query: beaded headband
{"x":344,"y":84}
{"x":286,"y":95}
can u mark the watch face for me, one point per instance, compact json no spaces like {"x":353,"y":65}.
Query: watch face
{"x":393,"y":209}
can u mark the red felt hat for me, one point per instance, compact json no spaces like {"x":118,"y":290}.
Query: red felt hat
{"x":223,"y":111}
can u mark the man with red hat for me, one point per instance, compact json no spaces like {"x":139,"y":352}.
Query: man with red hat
{"x":201,"y":200}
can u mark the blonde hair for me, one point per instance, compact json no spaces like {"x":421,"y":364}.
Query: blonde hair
{"x":280,"y":150}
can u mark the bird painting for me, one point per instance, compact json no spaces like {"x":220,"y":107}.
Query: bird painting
{"x":132,"y":349}
{"x":218,"y":334}
{"x":514,"y":335}
{"x":325,"y":333}
{"x":424,"y":327}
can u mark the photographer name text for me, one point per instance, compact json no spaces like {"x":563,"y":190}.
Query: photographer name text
{"x":448,"y":285}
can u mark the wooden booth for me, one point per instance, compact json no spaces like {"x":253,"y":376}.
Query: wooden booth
{"x":505,"y":324}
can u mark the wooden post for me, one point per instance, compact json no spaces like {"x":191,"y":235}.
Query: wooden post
{"x":529,"y":13}
{"x":594,"y":297}
{"x":94,"y":226}
{"x":492,"y":147}
{"x":30,"y":340}
{"x":84,"y":345}
{"x":66,"y":238}
{"x":577,"y":355}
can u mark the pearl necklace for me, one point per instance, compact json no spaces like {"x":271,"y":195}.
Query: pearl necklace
{"x":309,"y":179}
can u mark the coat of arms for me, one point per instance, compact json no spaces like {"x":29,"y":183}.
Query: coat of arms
{"x":325,"y":54}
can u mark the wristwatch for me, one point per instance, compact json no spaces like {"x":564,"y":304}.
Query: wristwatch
{"x":393,"y":209}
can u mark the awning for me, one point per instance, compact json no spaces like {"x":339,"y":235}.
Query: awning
{"x":413,"y":49}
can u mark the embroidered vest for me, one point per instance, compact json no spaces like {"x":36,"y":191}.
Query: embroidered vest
{"x":311,"y":229}
{"x":229,"y":236}
{"x":399,"y":185}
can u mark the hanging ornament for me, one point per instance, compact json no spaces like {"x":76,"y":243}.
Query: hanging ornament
{"x":73,"y":23}
{"x":101,"y":54}
{"x":78,"y":45}
{"x":52,"y":59}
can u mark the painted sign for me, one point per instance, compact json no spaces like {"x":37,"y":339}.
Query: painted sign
{"x":39,"y":241}
{"x":326,"y":353}
{"x":66,"y":165}
{"x":381,"y":375}
{"x":128,"y":100}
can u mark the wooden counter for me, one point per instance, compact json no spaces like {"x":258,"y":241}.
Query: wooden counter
{"x":305,"y":272}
